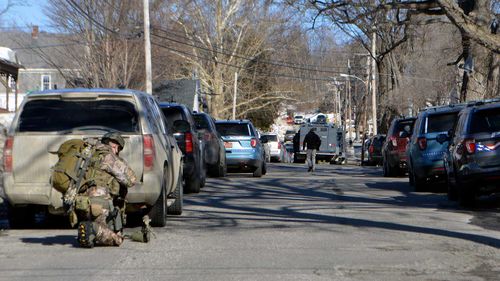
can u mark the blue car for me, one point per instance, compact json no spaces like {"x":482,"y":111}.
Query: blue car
{"x":244,"y":150}
{"x":424,"y":151}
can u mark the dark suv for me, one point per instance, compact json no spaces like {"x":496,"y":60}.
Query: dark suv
{"x":189,"y":143}
{"x":394,"y":148}
{"x":425,"y":151}
{"x":472,"y":161}
{"x":215,"y":153}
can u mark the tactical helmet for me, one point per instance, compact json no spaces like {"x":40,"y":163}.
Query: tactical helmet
{"x":114,"y":136}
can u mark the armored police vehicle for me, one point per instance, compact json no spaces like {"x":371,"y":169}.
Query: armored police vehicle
{"x":332,"y":139}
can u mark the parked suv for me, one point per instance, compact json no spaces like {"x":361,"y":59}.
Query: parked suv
{"x":194,"y":167}
{"x":373,"y":150}
{"x":47,"y":119}
{"x":425,"y":152}
{"x":394,"y":148}
{"x":244,"y":151}
{"x":472,"y":161}
{"x":215,"y":153}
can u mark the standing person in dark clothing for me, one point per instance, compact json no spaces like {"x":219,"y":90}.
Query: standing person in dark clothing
{"x":296,"y":146}
{"x":312,"y":141}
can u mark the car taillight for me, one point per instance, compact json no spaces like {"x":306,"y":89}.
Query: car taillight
{"x":371,"y":149}
{"x":188,"y":140}
{"x":7,"y":155}
{"x":148,"y":152}
{"x":279,"y":145}
{"x":253,"y":142}
{"x":470,"y":145}
{"x":422,"y":143}
{"x":394,"y":141}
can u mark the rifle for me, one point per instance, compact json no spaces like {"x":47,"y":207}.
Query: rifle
{"x":76,"y":184}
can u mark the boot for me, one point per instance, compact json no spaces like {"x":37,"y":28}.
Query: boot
{"x":86,"y":234}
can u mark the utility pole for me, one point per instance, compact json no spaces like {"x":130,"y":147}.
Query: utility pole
{"x":147,"y":49}
{"x":235,"y":94}
{"x":349,"y":98}
{"x":374,"y":83}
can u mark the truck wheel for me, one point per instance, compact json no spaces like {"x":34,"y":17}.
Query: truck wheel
{"x":176,"y":208}
{"x":418,"y":184}
{"x":158,"y":213}
{"x":258,"y":172}
{"x":193,"y":184}
{"x":222,"y":170}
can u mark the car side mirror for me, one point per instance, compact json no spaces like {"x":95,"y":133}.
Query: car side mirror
{"x":404,"y":134}
{"x":181,"y":126}
{"x":441,"y":138}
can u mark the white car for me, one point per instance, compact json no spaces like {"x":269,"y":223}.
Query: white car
{"x":298,"y":119}
{"x":276,"y":147}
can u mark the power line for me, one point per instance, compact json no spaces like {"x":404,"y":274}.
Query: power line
{"x":269,"y":62}
{"x":242,"y":67}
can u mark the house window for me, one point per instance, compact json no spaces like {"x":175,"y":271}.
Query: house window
{"x":45,"y":82}
{"x":12,"y":82}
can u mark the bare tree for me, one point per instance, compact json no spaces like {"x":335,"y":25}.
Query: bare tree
{"x":220,"y":38}
{"x":99,"y":38}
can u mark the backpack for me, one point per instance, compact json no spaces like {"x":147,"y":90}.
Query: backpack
{"x":70,"y":155}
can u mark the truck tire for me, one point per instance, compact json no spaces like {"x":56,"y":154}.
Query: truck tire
{"x":176,"y":208}
{"x":258,"y":172}
{"x":193,"y":184}
{"x":158,"y":213}
{"x":418,"y":184}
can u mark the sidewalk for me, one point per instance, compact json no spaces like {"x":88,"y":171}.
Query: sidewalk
{"x":353,"y":155}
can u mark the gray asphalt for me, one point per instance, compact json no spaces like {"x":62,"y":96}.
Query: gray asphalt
{"x":339,"y":223}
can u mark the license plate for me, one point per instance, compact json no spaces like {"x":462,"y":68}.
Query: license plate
{"x":228,"y":144}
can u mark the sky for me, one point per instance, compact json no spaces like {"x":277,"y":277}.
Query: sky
{"x":30,"y":13}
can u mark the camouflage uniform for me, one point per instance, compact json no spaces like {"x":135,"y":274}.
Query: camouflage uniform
{"x":111,"y":172}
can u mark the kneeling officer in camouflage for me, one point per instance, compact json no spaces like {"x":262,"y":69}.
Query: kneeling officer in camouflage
{"x":100,"y":206}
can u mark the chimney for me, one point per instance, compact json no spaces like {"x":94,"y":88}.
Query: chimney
{"x":34,"y":32}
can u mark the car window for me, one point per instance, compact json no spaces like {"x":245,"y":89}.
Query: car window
{"x":290,"y":132}
{"x":201,"y":122}
{"x":172,"y":114}
{"x":403,"y":125}
{"x":233,"y":129}
{"x":272,"y":137}
{"x":58,"y":115}
{"x":486,"y":121}
{"x":440,"y":122}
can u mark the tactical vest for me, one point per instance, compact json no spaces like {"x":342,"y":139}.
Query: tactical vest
{"x":70,"y":159}
{"x":101,"y":178}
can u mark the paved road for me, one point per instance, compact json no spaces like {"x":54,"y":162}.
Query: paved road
{"x":340,"y":223}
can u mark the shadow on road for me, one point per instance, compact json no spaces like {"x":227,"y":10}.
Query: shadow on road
{"x":53,"y":240}
{"x":274,"y":201}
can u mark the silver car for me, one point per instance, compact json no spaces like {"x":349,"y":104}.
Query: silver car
{"x":47,"y":119}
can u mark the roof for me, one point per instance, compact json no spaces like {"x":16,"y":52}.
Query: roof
{"x":86,"y":90}
{"x":484,"y":103}
{"x":180,"y":91}
{"x":234,"y":121}
{"x":22,"y":43}
{"x":9,"y":67}
{"x":444,"y":108}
